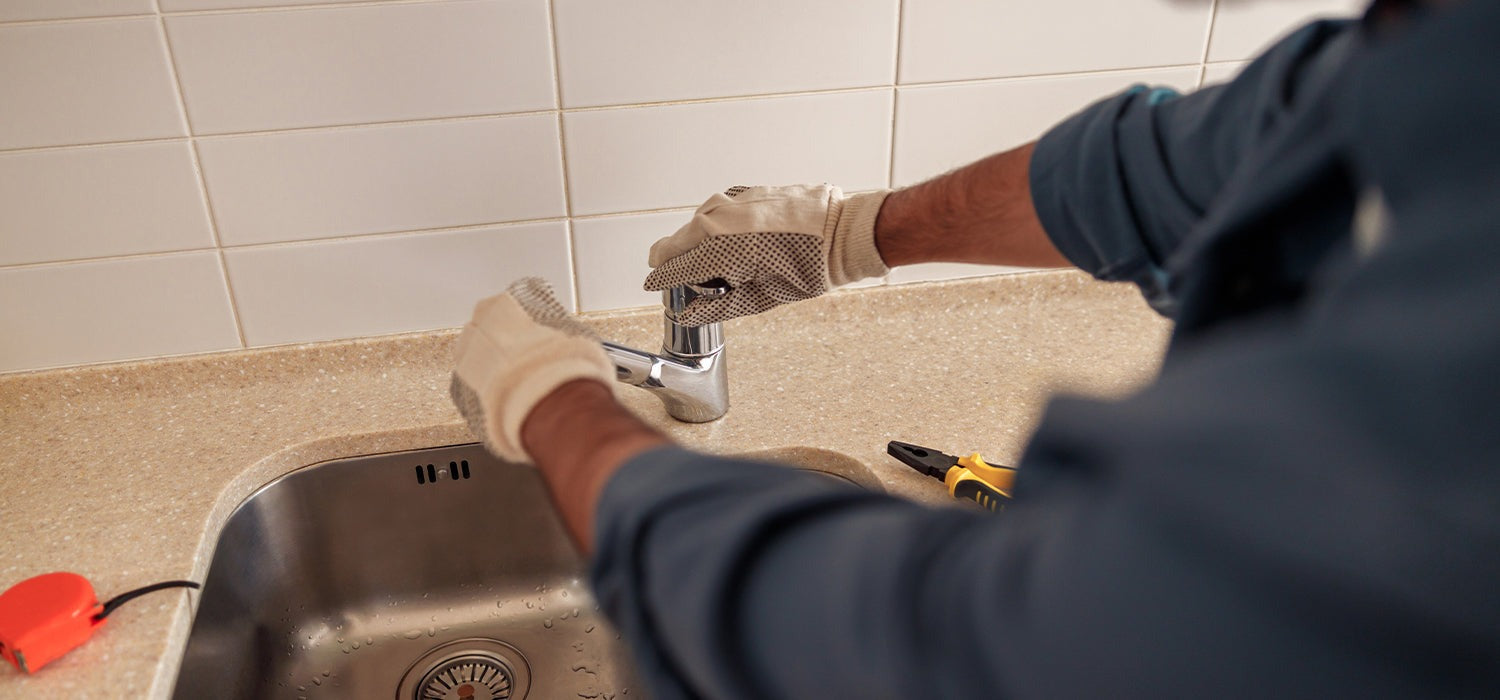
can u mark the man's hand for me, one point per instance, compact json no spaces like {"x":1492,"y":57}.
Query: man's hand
{"x":776,"y":245}
{"x":773,"y":245}
{"x":519,"y":347}
{"x":534,"y":383}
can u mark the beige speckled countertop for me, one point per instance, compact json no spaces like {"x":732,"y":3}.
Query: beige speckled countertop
{"x":126,"y":473}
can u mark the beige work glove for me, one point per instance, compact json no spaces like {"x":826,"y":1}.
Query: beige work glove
{"x":518,"y":348}
{"x":772,"y":245}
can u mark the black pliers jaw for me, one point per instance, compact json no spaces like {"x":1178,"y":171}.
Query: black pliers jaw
{"x":928,"y":461}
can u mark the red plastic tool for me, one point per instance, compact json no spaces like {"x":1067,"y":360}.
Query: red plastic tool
{"x":46,"y":616}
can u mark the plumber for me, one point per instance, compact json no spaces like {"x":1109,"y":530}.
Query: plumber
{"x":1306,"y":503}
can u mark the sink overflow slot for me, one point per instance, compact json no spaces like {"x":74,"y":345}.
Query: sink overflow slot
{"x":455,"y":470}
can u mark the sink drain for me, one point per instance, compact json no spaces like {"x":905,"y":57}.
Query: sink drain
{"x":468,"y":669}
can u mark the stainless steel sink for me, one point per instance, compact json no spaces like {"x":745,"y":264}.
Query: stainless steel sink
{"x":440,"y":574}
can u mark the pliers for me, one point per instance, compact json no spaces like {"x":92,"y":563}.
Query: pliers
{"x":968,"y":478}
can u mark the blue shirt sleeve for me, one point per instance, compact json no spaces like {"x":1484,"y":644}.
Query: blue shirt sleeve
{"x":1303,"y":505}
{"x":1119,"y":186}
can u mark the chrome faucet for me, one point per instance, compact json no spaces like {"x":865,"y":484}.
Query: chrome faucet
{"x":689,"y":375}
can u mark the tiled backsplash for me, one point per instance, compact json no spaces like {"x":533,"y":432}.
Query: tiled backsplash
{"x":182,"y":176}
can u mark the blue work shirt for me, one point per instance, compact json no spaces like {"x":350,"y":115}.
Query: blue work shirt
{"x":1305,"y":504}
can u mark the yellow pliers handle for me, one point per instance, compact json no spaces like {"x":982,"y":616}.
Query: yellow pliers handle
{"x":971,"y":479}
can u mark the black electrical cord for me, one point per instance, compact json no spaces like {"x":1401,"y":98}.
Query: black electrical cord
{"x":128,"y":596}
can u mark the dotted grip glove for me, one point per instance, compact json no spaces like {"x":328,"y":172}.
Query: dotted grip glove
{"x":772,"y":245}
{"x":518,"y":348}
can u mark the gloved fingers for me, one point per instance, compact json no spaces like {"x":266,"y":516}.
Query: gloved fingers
{"x":503,"y":323}
{"x":686,"y":238}
{"x":695,"y":266}
{"x":537,"y":299}
{"x":474,"y":357}
{"x":752,"y":297}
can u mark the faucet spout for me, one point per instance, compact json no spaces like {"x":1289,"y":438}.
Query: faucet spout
{"x":689,"y":375}
{"x":694,"y":390}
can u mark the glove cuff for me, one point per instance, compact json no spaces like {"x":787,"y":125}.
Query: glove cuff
{"x":852,"y":255}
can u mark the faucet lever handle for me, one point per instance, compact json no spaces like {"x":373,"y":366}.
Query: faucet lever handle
{"x":676,"y":299}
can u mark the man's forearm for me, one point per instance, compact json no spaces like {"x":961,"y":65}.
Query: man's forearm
{"x":981,"y":213}
{"x":579,"y":436}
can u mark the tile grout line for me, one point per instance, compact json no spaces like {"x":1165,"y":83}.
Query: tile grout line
{"x":602,"y":108}
{"x":890,"y":166}
{"x":348,"y":237}
{"x":76,"y":20}
{"x":890,"y":171}
{"x":124,"y":257}
{"x":356,"y":237}
{"x":27,"y":150}
{"x":213,"y":223}
{"x":1208,"y":41}
{"x":562,"y":155}
{"x":158,"y":12}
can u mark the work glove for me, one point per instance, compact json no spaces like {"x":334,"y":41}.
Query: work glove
{"x":772,"y":245}
{"x":518,"y":348}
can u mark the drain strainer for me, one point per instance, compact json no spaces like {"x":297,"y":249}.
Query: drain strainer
{"x":468,"y":669}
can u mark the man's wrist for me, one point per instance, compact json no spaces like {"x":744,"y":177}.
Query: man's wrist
{"x":981,"y":213}
{"x":893,"y":227}
{"x":579,"y":436}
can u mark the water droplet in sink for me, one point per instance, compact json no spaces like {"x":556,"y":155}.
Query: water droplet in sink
{"x":432,"y":631}
{"x":412,"y":634}
{"x":529,"y":605}
{"x":355,"y":645}
{"x":328,"y":673}
{"x":589,"y":629}
{"x":565,"y":593}
{"x":340,"y":639}
{"x":317,"y":681}
{"x":547,"y":623}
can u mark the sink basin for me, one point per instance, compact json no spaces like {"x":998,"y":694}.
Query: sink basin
{"x":438,"y":574}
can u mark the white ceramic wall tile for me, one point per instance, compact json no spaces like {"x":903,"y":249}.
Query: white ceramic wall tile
{"x":189,"y":5}
{"x":939,"y":128}
{"x":388,"y":284}
{"x":961,"y":39}
{"x":657,"y":50}
{"x":677,"y":155}
{"x":100,"y":201}
{"x":15,"y":10}
{"x":611,"y":258}
{"x":299,"y":68}
{"x":1222,"y":72}
{"x":932,"y":272}
{"x":1243,"y":28}
{"x":318,"y":184}
{"x":57,"y":315}
{"x":85,"y":82}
